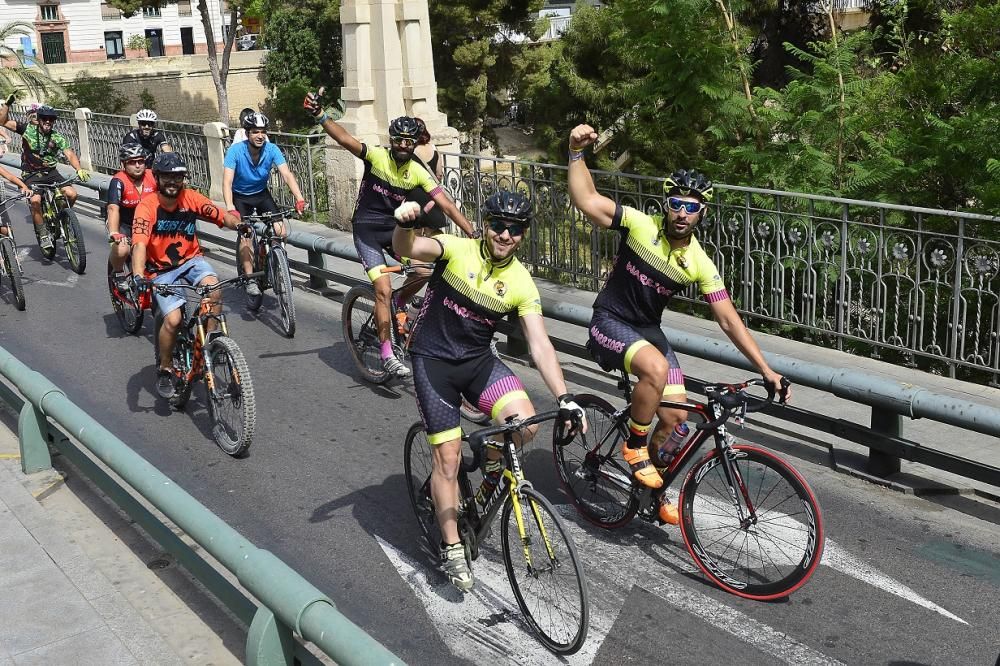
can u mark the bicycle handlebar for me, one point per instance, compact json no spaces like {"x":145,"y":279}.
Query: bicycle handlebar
{"x":52,"y":186}
{"x":270,"y":218}
{"x":204,"y":290}
{"x":10,"y":201}
{"x":405,"y":268}
{"x":732,"y":397}
{"x":477,"y":440}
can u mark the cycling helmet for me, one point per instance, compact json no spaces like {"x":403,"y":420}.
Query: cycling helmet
{"x":406,"y":127}
{"x":46,"y":111}
{"x":506,"y":205}
{"x":169,"y":163}
{"x":244,"y":114}
{"x":131,"y":151}
{"x":688,"y":183}
{"x":146,"y":116}
{"x":254,"y":121}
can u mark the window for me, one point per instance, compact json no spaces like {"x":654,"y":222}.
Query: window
{"x":114,"y":48}
{"x":151,"y":12}
{"x":184,"y":8}
{"x":50,"y":12}
{"x":109,"y":13}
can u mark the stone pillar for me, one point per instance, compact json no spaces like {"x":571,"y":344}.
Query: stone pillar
{"x":82,"y":116}
{"x":215,"y":133}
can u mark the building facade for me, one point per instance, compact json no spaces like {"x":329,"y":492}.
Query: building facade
{"x":90,"y":30}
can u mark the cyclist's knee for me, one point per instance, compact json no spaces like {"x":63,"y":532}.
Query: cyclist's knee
{"x":383,"y":288}
{"x":172,"y":320}
{"x":35,"y":202}
{"x":447,"y":459}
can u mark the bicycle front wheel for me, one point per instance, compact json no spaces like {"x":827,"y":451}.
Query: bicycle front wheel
{"x":592,"y":471}
{"x":418,"y":461}
{"x":76,"y":249}
{"x":545,"y":572}
{"x":231,"y":403}
{"x":125,"y":304}
{"x":8,"y":255}
{"x":361,"y":333}
{"x":281,"y":283}
{"x":762,"y":554}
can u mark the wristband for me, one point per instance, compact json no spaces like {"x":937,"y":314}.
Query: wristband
{"x":322,"y":119}
{"x":575,"y":155}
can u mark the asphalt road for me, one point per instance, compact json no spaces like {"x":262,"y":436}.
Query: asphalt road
{"x":910,"y":581}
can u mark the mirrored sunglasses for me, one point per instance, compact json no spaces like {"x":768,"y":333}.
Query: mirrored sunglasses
{"x":691,"y":207}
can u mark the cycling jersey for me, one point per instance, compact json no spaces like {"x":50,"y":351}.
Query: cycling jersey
{"x":123,"y":193}
{"x":155,"y":141}
{"x":251,"y":177}
{"x":170,"y":234}
{"x":466,"y":296}
{"x":40,"y":152}
{"x":386,"y":184}
{"x":647,"y":272}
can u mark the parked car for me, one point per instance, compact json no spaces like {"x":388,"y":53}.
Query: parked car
{"x":247,"y":42}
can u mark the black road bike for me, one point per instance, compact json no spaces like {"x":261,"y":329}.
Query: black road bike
{"x":748,"y":519}
{"x":270,"y":260}
{"x":10,"y":264}
{"x":61,"y":223}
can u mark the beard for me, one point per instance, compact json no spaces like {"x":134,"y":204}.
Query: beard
{"x":402,"y":155}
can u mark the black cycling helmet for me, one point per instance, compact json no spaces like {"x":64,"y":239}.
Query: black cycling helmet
{"x":688,"y":183}
{"x":131,"y":151}
{"x":46,"y":111}
{"x":507,"y":205}
{"x":254,"y":121}
{"x":406,"y":127}
{"x":169,"y":163}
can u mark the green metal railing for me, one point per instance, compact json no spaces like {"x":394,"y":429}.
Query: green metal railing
{"x":289,"y":604}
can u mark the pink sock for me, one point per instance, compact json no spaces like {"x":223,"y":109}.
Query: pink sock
{"x":386,"y":349}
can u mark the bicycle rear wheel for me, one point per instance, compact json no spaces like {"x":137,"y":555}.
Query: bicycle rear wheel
{"x":125,"y":304}
{"x":767,"y":555}
{"x":470,"y":413}
{"x":73,"y":243}
{"x":547,"y":578}
{"x":361,"y":333}
{"x":231,"y":403}
{"x":8,"y":254}
{"x":281,"y":283}
{"x":417,"y":465}
{"x":593,"y":473}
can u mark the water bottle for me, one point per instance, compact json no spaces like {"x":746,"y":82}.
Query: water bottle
{"x":673,"y":443}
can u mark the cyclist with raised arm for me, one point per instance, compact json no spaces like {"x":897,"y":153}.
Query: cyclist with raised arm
{"x":42,"y":147}
{"x":475,"y":284}
{"x":127,"y":188}
{"x":165,"y":249}
{"x":246,"y":170}
{"x":151,"y":139}
{"x":657,"y":257}
{"x":390,"y":177}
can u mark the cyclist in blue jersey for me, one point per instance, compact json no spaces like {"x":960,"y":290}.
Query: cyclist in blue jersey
{"x":391,"y":175}
{"x":657,"y":257}
{"x":246,"y":170}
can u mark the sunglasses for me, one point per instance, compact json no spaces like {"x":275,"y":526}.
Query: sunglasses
{"x":403,"y":143}
{"x":499,"y":226}
{"x":692,"y":207}
{"x":146,"y":124}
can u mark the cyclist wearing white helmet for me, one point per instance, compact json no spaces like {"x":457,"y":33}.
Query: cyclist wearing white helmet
{"x":148,"y":136}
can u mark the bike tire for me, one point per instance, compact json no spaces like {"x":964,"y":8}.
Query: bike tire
{"x":361,"y":333}
{"x":233,"y":393}
{"x":591,"y":469}
{"x":417,"y":465}
{"x":125,"y":305}
{"x":281,"y":284}
{"x":183,"y":353}
{"x":557,"y":564}
{"x":8,"y":254}
{"x":73,"y":243}
{"x":470,"y":413}
{"x":786,"y":508}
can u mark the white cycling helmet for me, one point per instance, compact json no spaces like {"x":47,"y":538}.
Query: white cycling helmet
{"x":146,"y":116}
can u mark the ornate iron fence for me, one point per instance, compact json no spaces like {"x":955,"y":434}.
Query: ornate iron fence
{"x":65,"y":124}
{"x":190,"y":141}
{"x":912,"y":285}
{"x":105,"y":133}
{"x":306,"y":157}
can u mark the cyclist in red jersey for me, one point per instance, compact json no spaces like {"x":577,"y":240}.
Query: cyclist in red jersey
{"x":127,"y":188}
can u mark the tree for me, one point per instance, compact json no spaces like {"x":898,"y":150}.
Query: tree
{"x":219,"y":70}
{"x":15,"y":71}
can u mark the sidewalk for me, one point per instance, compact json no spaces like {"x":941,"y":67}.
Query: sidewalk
{"x":81,"y":588}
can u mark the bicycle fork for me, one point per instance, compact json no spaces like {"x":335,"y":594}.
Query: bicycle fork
{"x":515,"y":481}
{"x":745,"y":509}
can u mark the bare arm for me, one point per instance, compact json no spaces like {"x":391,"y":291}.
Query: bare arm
{"x":289,"y":178}
{"x":449,"y":208}
{"x":543,"y":353}
{"x":114,"y":223}
{"x":227,"y":187}
{"x":407,"y":244}
{"x":71,"y":158}
{"x":599,"y":208}
{"x":7,"y":175}
{"x":342,"y":136}
{"x":139,"y":259}
{"x":732,"y":325}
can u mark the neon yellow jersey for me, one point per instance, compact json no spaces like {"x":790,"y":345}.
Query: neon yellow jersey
{"x":466,"y":297}
{"x":386,"y":184}
{"x":647,"y":272}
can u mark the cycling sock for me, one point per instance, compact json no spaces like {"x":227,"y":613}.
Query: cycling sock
{"x":637,"y":433}
{"x":386,"y":349}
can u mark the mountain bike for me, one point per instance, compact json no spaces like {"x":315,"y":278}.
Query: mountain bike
{"x":361,"y":332}
{"x":10,"y":263}
{"x":61,"y":222}
{"x":216,"y":359}
{"x":129,"y":306}
{"x":271,"y":260}
{"x":748,"y":519}
{"x":545,"y":573}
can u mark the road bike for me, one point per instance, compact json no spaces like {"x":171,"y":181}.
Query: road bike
{"x":545,"y":573}
{"x":215,"y":358}
{"x":748,"y":519}
{"x":271,"y":260}
{"x":60,"y":222}
{"x":10,"y":263}
{"x":361,"y":332}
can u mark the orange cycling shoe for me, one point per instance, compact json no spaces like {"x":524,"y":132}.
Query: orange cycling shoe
{"x":642,"y":469}
{"x":668,"y":513}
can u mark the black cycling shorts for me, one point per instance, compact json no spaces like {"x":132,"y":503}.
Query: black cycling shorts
{"x":373,"y":242}
{"x":613,"y":343}
{"x":43,"y":177}
{"x":262,"y":202}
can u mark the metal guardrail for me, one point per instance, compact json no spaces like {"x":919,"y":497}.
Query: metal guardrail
{"x":288,"y":601}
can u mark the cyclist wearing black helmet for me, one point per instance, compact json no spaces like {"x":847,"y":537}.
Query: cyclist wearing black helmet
{"x":147,"y":135}
{"x":246,"y":170}
{"x":657,"y":257}
{"x":475,"y":284}
{"x":390,"y":177}
{"x":42,"y":148}
{"x":127,"y":188}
